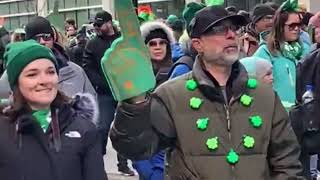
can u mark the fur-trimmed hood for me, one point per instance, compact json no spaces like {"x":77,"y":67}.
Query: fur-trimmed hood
{"x":86,"y":107}
{"x":147,"y":27}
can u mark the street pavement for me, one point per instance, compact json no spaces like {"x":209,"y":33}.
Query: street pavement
{"x":110,"y":161}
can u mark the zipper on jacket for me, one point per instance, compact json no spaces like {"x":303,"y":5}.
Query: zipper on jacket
{"x":227,"y":110}
{"x":226,"y":107}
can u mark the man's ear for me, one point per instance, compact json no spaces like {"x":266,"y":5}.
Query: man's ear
{"x":197,"y":44}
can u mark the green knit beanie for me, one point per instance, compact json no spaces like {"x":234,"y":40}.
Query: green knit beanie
{"x":190,"y":10}
{"x":171,"y":19}
{"x":19,"y":54}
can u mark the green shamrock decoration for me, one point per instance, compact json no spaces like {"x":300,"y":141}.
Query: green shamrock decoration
{"x":232,"y":157}
{"x":213,"y":143}
{"x":248,"y":142}
{"x":202,"y":124}
{"x":246,"y":100}
{"x":195,"y":103}
{"x":256,"y":121}
{"x":191,"y":85}
{"x":252,"y":83}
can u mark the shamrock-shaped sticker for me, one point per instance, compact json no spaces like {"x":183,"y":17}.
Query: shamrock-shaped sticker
{"x":202,"y":124}
{"x":191,"y":85}
{"x":252,"y":83}
{"x":213,"y":143}
{"x":232,"y":157}
{"x":248,"y":142}
{"x":246,"y":100}
{"x":256,"y":121}
{"x":195,"y":103}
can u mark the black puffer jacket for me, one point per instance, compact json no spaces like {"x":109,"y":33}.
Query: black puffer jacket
{"x":92,"y":56}
{"x":26,"y":153}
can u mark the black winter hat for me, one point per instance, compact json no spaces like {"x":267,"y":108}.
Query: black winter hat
{"x":261,"y":10}
{"x":208,"y":17}
{"x":157,"y":33}
{"x":38,"y":25}
{"x":102,"y":17}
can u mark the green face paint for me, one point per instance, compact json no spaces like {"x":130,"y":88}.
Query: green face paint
{"x":213,"y":143}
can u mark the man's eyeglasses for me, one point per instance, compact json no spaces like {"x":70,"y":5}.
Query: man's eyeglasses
{"x":293,"y":26}
{"x":45,"y":37}
{"x":222,"y":29}
{"x":154,"y":43}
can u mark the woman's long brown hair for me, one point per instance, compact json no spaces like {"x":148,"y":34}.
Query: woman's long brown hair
{"x":276,"y":36}
{"x":20,"y":105}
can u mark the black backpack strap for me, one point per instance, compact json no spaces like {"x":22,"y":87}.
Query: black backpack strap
{"x":162,"y":75}
{"x":186,"y":60}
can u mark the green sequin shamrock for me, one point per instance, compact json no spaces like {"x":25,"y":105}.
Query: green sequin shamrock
{"x":248,"y":142}
{"x":213,"y":143}
{"x":191,"y":85}
{"x":202,"y":124}
{"x":195,"y":103}
{"x":246,"y":100}
{"x":232,"y":157}
{"x":256,"y":121}
{"x":252,"y":83}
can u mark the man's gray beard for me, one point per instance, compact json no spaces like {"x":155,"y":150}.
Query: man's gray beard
{"x":224,"y":60}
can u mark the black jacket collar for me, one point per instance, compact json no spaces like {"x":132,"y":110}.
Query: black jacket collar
{"x":208,"y":85}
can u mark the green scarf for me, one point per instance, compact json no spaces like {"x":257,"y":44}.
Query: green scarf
{"x":43,"y":117}
{"x":292,"y":51}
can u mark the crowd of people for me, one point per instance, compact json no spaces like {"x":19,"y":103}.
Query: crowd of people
{"x":237,"y":96}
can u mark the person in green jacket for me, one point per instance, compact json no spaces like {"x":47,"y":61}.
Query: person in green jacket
{"x":284,"y":48}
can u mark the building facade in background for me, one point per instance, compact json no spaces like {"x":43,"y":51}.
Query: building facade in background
{"x":19,"y":12}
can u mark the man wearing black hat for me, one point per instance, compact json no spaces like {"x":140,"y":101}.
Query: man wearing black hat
{"x":94,"y":51}
{"x":72,"y":78}
{"x":262,"y":16}
{"x":219,"y":123}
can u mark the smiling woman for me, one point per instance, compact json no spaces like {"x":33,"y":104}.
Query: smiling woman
{"x":284,"y":47}
{"x":64,"y":144}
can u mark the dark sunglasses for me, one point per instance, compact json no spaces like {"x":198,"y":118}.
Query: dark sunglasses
{"x":45,"y":37}
{"x":222,"y":29}
{"x":293,"y":26}
{"x":98,"y":22}
{"x":154,"y":43}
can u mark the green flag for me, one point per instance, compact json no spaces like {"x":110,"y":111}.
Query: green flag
{"x":127,"y":64}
